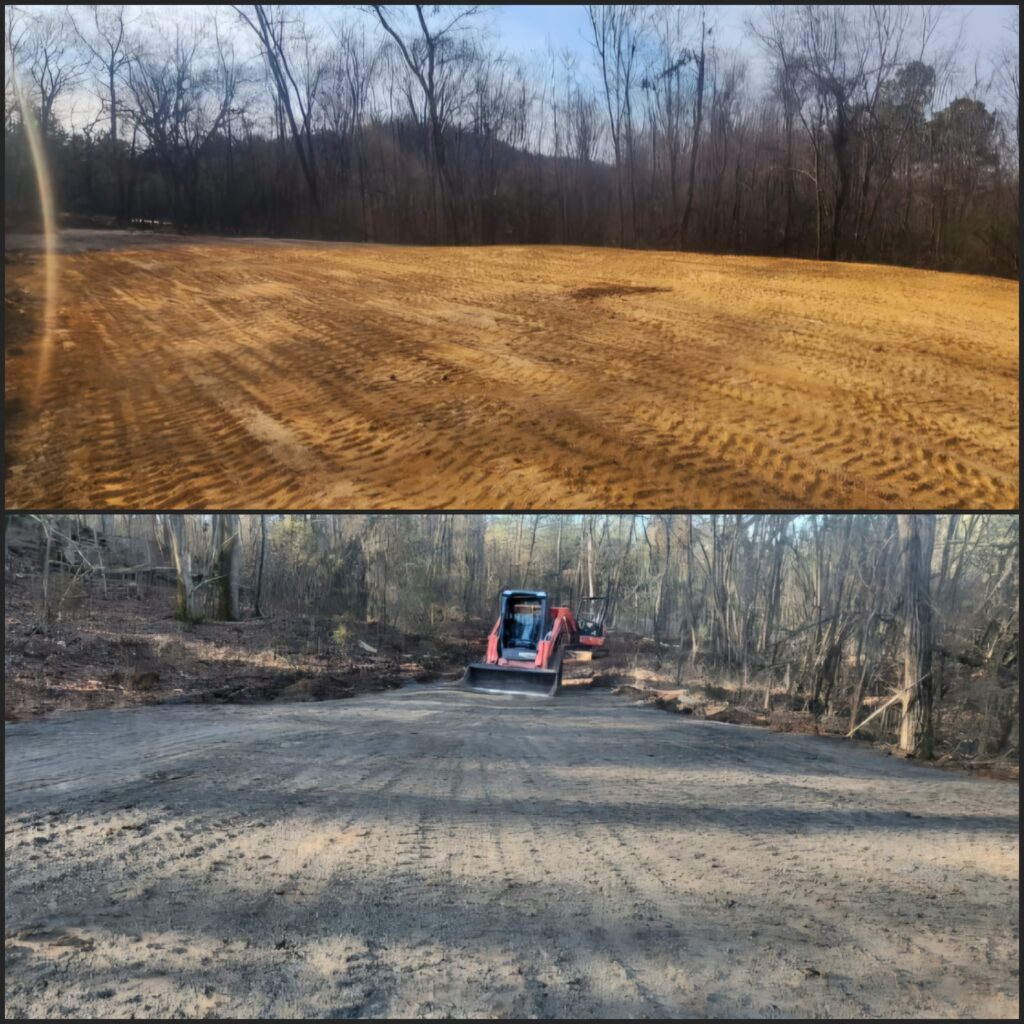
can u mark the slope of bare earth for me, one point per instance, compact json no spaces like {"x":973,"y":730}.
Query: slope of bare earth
{"x":208,"y":373}
{"x":117,"y":646}
{"x":439,"y":853}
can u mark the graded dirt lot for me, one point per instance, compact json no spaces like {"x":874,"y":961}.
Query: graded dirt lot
{"x":435,"y":853}
{"x":208,"y":373}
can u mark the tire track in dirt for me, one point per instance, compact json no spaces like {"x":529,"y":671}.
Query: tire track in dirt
{"x":214,"y":374}
{"x":582,"y":848}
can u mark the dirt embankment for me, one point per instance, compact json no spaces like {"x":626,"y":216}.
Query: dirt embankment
{"x":724,"y":701}
{"x":439,"y":853}
{"x":154,"y":660}
{"x":206,"y":373}
{"x":116,"y":651}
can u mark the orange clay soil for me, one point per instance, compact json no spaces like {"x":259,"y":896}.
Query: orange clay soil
{"x":251,"y":374}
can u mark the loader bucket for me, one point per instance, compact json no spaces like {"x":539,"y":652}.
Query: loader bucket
{"x":537,"y":682}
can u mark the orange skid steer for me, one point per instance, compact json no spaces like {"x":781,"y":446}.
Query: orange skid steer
{"x":527,"y":646}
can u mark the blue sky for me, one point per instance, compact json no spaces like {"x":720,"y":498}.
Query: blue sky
{"x":529,"y":26}
{"x":525,"y":27}
{"x":535,"y":28}
{"x":532,"y":29}
{"x":522,"y":28}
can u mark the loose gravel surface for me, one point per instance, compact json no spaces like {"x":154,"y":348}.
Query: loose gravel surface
{"x":430,"y":852}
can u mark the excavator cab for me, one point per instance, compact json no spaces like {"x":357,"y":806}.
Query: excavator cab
{"x":590,"y":616}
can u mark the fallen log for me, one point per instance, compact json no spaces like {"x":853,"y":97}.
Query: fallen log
{"x":874,"y":714}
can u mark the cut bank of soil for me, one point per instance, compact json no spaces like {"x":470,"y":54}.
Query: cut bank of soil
{"x":211,"y":374}
{"x":116,"y":645}
{"x":439,"y":853}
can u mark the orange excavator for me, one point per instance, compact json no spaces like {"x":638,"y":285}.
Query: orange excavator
{"x":532,"y":640}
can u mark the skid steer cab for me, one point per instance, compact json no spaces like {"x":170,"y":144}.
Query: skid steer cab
{"x":526,"y":647}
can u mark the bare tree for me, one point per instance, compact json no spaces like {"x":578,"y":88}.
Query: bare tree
{"x":50,"y":61}
{"x":699,"y":58}
{"x":433,"y":53}
{"x":617,"y":38}
{"x":296,"y":90}
{"x":181,"y":95}
{"x":105,"y":38}
{"x":774,"y":30}
{"x":917,"y":541}
{"x":667,"y":83}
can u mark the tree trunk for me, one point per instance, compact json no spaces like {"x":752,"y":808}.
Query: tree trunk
{"x":698,"y":117}
{"x":558,"y":560}
{"x":529,"y":554}
{"x":917,"y":541}
{"x":46,"y":572}
{"x":228,"y":567}
{"x":590,"y":557}
{"x":259,"y":573}
{"x":184,"y":598}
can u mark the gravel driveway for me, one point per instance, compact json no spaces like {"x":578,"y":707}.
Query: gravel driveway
{"x":430,"y":852}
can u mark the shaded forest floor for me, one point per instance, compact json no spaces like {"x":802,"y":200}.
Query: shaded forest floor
{"x":207,"y":373}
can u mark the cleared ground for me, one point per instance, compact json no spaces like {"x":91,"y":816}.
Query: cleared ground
{"x":206,"y":373}
{"x":433,"y":853}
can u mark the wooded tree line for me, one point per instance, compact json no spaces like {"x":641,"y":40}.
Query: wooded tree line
{"x":836,"y":614}
{"x":868,"y":139}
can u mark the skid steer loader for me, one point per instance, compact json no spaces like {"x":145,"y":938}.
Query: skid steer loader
{"x":529,"y":644}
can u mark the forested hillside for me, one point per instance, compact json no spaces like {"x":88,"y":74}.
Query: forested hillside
{"x":869,"y":133}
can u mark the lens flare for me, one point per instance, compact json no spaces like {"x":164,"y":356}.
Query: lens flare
{"x":44,"y":184}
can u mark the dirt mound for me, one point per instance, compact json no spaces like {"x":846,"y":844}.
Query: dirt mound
{"x":604,"y":291}
{"x":247,"y":374}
